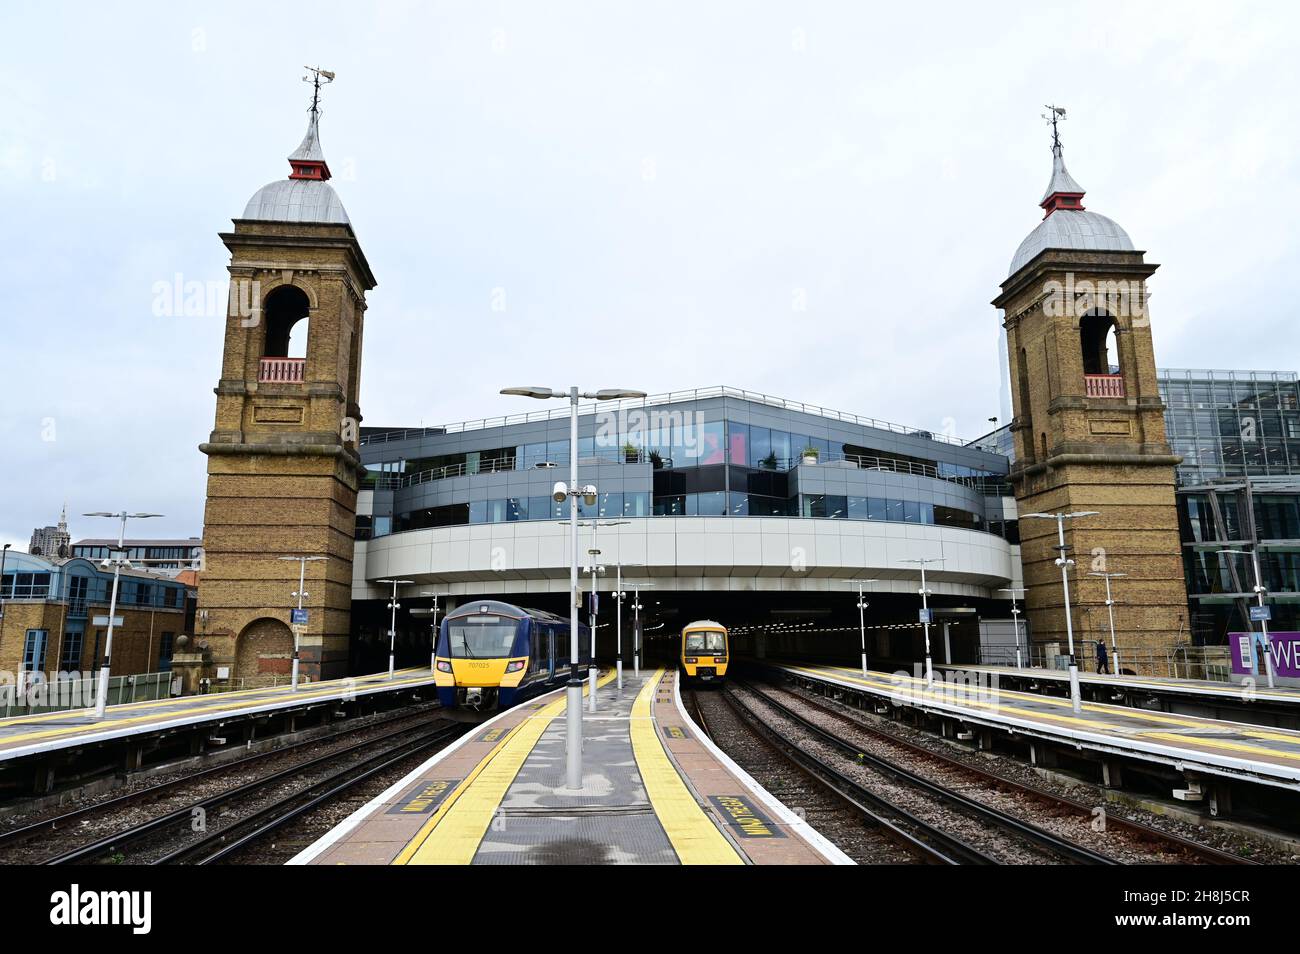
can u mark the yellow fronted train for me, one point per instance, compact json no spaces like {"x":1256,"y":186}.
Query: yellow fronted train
{"x":705,"y":651}
{"x":491,"y":655}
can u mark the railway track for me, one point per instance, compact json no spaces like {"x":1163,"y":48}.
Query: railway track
{"x":1181,"y":850}
{"x":14,"y":838}
{"x":868,"y":831}
{"x":956,"y":828}
{"x":197,"y":828}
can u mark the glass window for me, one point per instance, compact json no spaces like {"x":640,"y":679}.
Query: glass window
{"x":738,"y":444}
{"x":70,"y":654}
{"x":165,"y":647}
{"x":586,"y":447}
{"x":383,"y":526}
{"x":760,"y":448}
{"x":713,"y":504}
{"x":712,"y":443}
{"x":895,"y":510}
{"x":496,"y":511}
{"x":705,"y":643}
{"x":858,"y":508}
{"x":610,"y":505}
{"x":672,"y":506}
{"x":481,"y":637}
{"x":636,"y":504}
{"x":738,"y":505}
{"x":781,"y":448}
{"x":557,"y":452}
{"x":477,"y":511}
{"x":516,"y":508}
{"x":34,"y":650}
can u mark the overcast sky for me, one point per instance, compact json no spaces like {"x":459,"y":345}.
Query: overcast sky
{"x":814,"y":200}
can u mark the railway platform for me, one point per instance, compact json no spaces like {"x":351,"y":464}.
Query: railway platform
{"x":655,"y":791}
{"x":1233,"y":701}
{"x":49,"y":732}
{"x":1200,"y":750}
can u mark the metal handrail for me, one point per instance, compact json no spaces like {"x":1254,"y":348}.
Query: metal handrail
{"x":997,"y":483}
{"x":655,"y":400}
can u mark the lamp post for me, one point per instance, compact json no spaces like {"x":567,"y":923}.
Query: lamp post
{"x":573,"y":695}
{"x":393,"y":607}
{"x":1015,"y":591}
{"x":4,"y":555}
{"x":1263,"y":623}
{"x":1110,"y":610}
{"x":619,"y":595}
{"x":636,"y":627}
{"x":1065,"y":563}
{"x":593,"y":553}
{"x":433,"y":650}
{"x":925,"y":615}
{"x":118,"y":559}
{"x":299,"y":593}
{"x":862,"y":620}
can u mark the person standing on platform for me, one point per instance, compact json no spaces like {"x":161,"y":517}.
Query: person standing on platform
{"x":1103,"y":663}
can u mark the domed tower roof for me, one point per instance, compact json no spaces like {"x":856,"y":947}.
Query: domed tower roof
{"x":305,"y":196}
{"x":1066,"y":223}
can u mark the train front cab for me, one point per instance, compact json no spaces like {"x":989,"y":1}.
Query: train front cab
{"x":490,"y":655}
{"x":705,"y":651}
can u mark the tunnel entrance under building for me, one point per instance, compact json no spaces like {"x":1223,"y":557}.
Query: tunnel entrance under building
{"x":812,"y":627}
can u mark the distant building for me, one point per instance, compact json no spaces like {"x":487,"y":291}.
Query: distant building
{"x":1238,"y":488}
{"x":52,"y":542}
{"x":48,"y":610}
{"x":164,"y":556}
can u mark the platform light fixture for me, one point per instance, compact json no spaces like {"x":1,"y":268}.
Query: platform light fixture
{"x":1015,"y":591}
{"x":393,"y":607}
{"x":1263,"y":623}
{"x":1110,"y":609}
{"x":1064,"y":562}
{"x":117,"y":560}
{"x":299,"y":593}
{"x":922,"y":562}
{"x":862,"y":619}
{"x":573,"y":694}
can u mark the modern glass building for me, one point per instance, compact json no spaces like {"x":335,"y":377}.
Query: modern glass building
{"x":1238,"y":489}
{"x":708,"y":491}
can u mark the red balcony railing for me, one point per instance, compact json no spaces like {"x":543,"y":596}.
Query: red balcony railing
{"x":1104,"y":385}
{"x":281,"y":370}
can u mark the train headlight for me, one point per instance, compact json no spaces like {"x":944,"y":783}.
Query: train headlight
{"x":515,"y":665}
{"x":720,"y":659}
{"x":692,"y":660}
{"x":444,"y":665}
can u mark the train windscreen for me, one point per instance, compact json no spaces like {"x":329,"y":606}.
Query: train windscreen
{"x":706,"y":642}
{"x":481,"y":637}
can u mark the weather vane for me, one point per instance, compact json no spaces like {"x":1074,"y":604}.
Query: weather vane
{"x":316,"y":76}
{"x":1053,"y":115}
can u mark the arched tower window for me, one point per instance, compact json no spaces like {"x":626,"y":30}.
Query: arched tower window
{"x":1097,"y":339}
{"x":285,"y":312}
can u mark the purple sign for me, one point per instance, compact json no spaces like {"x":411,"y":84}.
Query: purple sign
{"x":1286,"y":653}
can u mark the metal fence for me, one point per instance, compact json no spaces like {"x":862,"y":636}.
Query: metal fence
{"x":1211,"y":663}
{"x":35,"y":692}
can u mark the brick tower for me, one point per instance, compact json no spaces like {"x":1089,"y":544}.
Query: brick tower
{"x":283,"y":468}
{"x":1089,"y":432}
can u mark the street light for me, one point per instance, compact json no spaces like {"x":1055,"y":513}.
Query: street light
{"x":393,"y":607}
{"x":862,"y":620}
{"x":1015,"y":591}
{"x":433,"y":657}
{"x":1110,"y":609}
{"x":118,"y":559}
{"x":619,"y":595}
{"x":300,"y":593}
{"x":1065,"y":563}
{"x":925,"y":615}
{"x":573,"y":695}
{"x":636,"y":627}
{"x":593,"y":552}
{"x":1263,"y":623}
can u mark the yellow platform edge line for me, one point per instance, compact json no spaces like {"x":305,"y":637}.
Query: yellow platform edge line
{"x":694,"y":836}
{"x":453,"y":833}
{"x":170,"y":714}
{"x":884,"y":682}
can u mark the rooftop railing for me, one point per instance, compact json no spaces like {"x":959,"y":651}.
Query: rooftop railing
{"x":561,"y":412}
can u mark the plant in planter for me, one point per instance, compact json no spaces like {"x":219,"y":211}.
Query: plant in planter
{"x":630,"y":454}
{"x":656,"y":460}
{"x":769,"y":462}
{"x":810,"y":455}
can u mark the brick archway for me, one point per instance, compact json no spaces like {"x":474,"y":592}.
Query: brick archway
{"x":263,"y":652}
